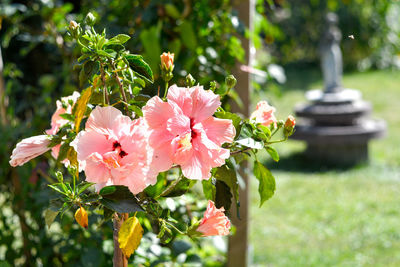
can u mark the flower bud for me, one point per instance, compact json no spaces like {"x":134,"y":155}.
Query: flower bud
{"x":81,"y":217}
{"x":90,"y":19}
{"x":190,"y":81}
{"x":230,"y":81}
{"x":213,"y":85}
{"x":167,"y":61}
{"x":289,"y":125}
{"x":74,"y":28}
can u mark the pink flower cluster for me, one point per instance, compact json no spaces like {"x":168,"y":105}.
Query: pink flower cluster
{"x":113,"y":149}
{"x":214,"y":221}
{"x":184,"y":132}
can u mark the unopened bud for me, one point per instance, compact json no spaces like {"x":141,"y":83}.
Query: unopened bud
{"x":190,"y":81}
{"x":167,"y":61}
{"x":230,"y":81}
{"x":289,"y":125}
{"x":74,"y":28}
{"x":90,"y":19}
{"x":81,"y":217}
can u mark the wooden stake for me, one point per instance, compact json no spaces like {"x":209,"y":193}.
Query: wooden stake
{"x":119,"y":259}
{"x":238,"y":244}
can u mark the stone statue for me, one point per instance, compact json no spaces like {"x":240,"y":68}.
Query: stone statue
{"x":331,"y":56}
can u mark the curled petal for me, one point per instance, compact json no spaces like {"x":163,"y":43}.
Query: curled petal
{"x":28,"y":149}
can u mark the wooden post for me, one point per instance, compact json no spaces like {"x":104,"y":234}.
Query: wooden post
{"x":238,"y":255}
{"x":119,"y":259}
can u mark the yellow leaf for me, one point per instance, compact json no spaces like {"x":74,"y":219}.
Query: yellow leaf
{"x":80,"y":106}
{"x":81,"y":217}
{"x":129,"y":236}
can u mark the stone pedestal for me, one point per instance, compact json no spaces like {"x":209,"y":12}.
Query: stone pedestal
{"x":337,"y":127}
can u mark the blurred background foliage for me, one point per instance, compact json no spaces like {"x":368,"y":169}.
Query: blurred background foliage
{"x":291,"y":31}
{"x":204,"y":35}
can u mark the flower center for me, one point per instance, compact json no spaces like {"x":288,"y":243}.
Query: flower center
{"x":117,"y":147}
{"x":185,"y":142}
{"x":193,"y":133}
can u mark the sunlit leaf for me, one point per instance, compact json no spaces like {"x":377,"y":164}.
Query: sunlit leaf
{"x":129,"y":236}
{"x":80,"y":106}
{"x":140,"y":67}
{"x":266,"y":187}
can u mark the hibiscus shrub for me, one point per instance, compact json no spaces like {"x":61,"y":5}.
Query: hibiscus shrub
{"x":127,"y":152}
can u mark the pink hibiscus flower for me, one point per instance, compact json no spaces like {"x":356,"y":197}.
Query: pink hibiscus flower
{"x":114,"y":150}
{"x":264,"y":114}
{"x":184,"y":132}
{"x":28,"y":149}
{"x":63,"y":107}
{"x":214,"y":221}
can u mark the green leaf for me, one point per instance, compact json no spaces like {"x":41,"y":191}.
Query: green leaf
{"x":114,"y":48}
{"x":179,"y":187}
{"x":50,"y":216}
{"x":83,"y":186}
{"x":140,"y":67}
{"x":246,"y":138}
{"x":266,"y":187}
{"x":223,"y":196}
{"x":67,"y":116}
{"x":273,"y":153}
{"x":265,"y":129}
{"x":209,"y":189}
{"x":137,"y":110}
{"x":119,"y":39}
{"x":107,"y":190}
{"x":59,"y":187}
{"x":227,"y":175}
{"x":122,"y":206}
{"x":156,"y":190}
{"x":90,"y":68}
{"x":119,"y":198}
{"x":104,"y":54}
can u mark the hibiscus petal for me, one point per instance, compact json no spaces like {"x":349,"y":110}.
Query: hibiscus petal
{"x":178,"y":124}
{"x":88,"y":142}
{"x":106,"y":119}
{"x":219,"y":130}
{"x":181,"y":96}
{"x":196,"y":168}
{"x":157,"y":112}
{"x":96,"y":171}
{"x":205,"y":103}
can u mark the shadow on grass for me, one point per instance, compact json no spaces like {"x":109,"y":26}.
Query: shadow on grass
{"x":301,"y":163}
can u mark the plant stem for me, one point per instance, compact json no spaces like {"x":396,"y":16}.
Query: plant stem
{"x":166,"y":89}
{"x":174,"y":227}
{"x":121,"y":88}
{"x":171,"y":186}
{"x":119,"y":259}
{"x":240,"y":151}
{"x":103,"y":79}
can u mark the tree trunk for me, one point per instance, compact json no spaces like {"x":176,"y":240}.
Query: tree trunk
{"x":119,"y":259}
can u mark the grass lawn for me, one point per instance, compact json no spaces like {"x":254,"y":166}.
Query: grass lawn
{"x":333,"y":217}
